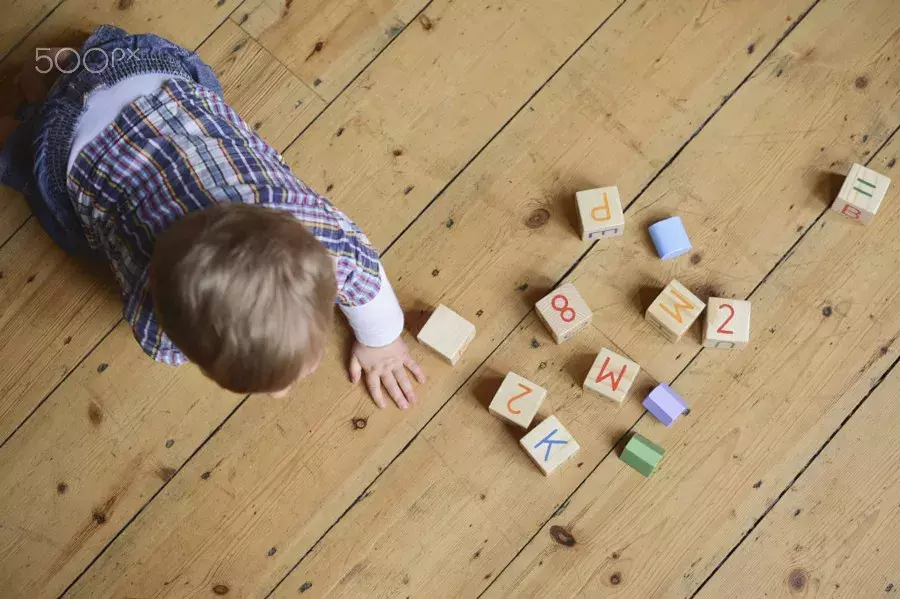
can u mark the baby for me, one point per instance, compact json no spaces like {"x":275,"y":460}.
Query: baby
{"x":223,"y":256}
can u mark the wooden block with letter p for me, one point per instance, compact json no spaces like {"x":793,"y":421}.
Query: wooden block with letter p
{"x":727,"y":324}
{"x":600,"y":213}
{"x":674,"y":311}
{"x":447,"y":333}
{"x":564,"y":312}
{"x":611,"y":376}
{"x":517,"y":400}
{"x":861,"y":194}
{"x":549,"y":444}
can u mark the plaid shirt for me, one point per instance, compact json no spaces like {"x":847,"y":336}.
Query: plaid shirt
{"x":183,"y":149}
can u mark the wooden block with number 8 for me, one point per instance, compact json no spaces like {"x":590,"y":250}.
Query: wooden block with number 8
{"x":549,"y":444}
{"x":727,"y":324}
{"x":517,"y":400}
{"x":611,"y":376}
{"x":861,"y":194}
{"x":674,"y":311}
{"x":600,"y":213}
{"x":564,"y":312}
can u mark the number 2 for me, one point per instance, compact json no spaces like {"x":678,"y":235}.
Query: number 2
{"x":722,"y":328}
{"x":564,"y":308}
{"x":515,"y":397}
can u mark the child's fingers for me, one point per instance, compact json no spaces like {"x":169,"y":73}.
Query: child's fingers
{"x":390,"y":383}
{"x":415,"y":369}
{"x":405,"y":384}
{"x":355,"y":370}
{"x":373,"y":382}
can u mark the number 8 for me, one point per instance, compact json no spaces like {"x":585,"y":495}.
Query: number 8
{"x":564,"y":308}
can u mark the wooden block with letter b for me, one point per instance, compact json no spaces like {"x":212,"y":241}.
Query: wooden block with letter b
{"x":674,"y":311}
{"x":727,"y":324}
{"x":611,"y":376}
{"x":600,"y":213}
{"x":517,"y":400}
{"x":861,"y":194}
{"x":564,"y":312}
{"x":549,"y":444}
{"x":447,"y":333}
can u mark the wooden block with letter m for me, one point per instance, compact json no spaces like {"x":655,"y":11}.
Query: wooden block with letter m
{"x":674,"y":311}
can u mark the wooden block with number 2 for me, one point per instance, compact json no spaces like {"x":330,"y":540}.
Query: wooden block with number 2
{"x":517,"y":400}
{"x":564,"y":312}
{"x":727,"y":323}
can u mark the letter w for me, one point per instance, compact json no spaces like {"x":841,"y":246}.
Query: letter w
{"x":614,"y":380}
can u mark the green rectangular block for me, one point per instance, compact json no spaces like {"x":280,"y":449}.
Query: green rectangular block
{"x":642,"y":454}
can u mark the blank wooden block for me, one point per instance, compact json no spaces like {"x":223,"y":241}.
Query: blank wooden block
{"x":611,"y":376}
{"x":727,"y":324}
{"x":861,"y":194}
{"x":447,"y":333}
{"x":564,"y":312}
{"x":549,"y":444}
{"x":674,"y":311}
{"x":642,"y":454}
{"x":665,"y":404}
{"x":517,"y":400}
{"x":600,"y":213}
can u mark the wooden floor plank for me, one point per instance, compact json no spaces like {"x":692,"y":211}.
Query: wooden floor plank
{"x":326,"y":43}
{"x":316,"y":433}
{"x":544,"y":34}
{"x":825,"y":330}
{"x":19,"y":18}
{"x":834,"y":534}
{"x":489,"y":498}
{"x":44,"y":331}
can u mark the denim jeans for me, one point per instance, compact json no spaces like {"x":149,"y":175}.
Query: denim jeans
{"x":34,"y":158}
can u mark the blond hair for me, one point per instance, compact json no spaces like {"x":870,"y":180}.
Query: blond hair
{"x":245,"y":292}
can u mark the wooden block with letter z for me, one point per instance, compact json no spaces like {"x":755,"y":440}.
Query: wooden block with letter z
{"x":447,"y":333}
{"x":600,"y":213}
{"x":517,"y":400}
{"x":727,"y":324}
{"x":611,"y":376}
{"x":563,"y":312}
{"x":674,"y":311}
{"x":549,"y":444}
{"x":861,"y":194}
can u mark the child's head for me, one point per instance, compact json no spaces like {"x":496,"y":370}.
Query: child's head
{"x":246,"y":293}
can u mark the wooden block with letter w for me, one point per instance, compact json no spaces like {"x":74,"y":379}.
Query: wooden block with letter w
{"x":674,"y":311}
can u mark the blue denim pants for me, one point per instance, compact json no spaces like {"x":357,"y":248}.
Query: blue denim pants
{"x":34,"y":158}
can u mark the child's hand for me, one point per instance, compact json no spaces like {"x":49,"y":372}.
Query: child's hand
{"x":386,"y":366}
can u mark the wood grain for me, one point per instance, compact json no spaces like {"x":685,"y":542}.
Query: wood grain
{"x":326,"y":43}
{"x":834,"y":534}
{"x":826,"y":331}
{"x":20,"y":17}
{"x":489,"y":473}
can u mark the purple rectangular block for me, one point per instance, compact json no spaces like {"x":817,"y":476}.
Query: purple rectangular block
{"x":665,"y":404}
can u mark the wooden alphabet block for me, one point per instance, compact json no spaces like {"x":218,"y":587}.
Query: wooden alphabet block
{"x":611,"y":376}
{"x":447,"y":333}
{"x":549,"y":444}
{"x":642,"y":454}
{"x":861,"y":194}
{"x":727,"y":324}
{"x":674,"y":311}
{"x":517,"y":400}
{"x":564,"y":312}
{"x":665,"y":404}
{"x":600,"y":213}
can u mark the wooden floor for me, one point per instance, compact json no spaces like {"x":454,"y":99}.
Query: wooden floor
{"x":455,"y":132}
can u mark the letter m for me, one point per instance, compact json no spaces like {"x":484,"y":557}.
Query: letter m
{"x":678,"y":307}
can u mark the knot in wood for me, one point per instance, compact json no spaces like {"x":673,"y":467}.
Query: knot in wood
{"x":562,"y":536}
{"x":537,"y":219}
